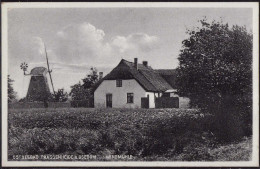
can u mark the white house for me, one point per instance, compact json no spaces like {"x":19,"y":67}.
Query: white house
{"x":134,"y":85}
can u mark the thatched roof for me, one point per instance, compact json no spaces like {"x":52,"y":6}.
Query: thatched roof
{"x":169,"y":75}
{"x":37,"y":71}
{"x":148,"y":78}
{"x":167,"y":72}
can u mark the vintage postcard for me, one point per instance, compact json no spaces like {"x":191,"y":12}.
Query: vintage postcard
{"x":130,"y":84}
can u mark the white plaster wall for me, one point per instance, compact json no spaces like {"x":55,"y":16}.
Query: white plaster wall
{"x":119,"y":94}
{"x":151,"y":99}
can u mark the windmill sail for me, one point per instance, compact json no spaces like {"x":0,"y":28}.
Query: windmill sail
{"x":49,"y":69}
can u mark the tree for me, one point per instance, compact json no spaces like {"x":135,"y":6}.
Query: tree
{"x":83,"y":94}
{"x":60,"y":96}
{"x":11,"y":92}
{"x":91,"y":78}
{"x":215,"y":72}
{"x":78,"y":92}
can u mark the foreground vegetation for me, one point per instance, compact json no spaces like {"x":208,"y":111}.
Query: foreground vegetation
{"x":146,"y":134}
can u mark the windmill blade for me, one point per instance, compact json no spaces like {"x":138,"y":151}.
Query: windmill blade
{"x":49,"y":68}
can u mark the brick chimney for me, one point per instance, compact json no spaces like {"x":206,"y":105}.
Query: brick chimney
{"x":145,"y":63}
{"x":100,"y":75}
{"x":136,"y":63}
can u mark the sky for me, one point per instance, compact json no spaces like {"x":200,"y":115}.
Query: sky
{"x":78,"y":38}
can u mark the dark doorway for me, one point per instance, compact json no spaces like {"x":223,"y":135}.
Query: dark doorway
{"x":145,"y":102}
{"x":109,"y":100}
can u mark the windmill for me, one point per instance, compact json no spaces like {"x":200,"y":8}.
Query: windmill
{"x":49,"y":71}
{"x":38,"y":88}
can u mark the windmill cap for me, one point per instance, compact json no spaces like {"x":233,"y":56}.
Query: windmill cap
{"x":38,"y":71}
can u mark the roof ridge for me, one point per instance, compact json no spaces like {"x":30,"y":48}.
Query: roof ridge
{"x":143,"y":75}
{"x":147,"y":77}
{"x":126,"y":61}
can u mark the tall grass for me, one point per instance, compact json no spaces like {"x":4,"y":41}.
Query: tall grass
{"x":147,"y":134}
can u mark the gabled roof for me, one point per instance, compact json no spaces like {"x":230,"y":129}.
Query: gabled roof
{"x":38,"y":71}
{"x":166,"y":72}
{"x":169,"y":75}
{"x":148,"y":78}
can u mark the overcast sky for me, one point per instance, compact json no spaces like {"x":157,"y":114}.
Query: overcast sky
{"x":78,"y":38}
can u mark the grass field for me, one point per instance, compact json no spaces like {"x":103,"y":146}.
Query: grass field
{"x":146,"y":134}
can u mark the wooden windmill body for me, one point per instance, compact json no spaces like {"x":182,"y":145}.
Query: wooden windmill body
{"x":38,"y":88}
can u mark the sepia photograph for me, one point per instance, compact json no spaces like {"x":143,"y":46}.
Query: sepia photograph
{"x":130,"y":84}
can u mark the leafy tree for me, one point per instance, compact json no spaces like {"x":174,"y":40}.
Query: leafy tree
{"x":84,"y":91}
{"x":91,"y":78}
{"x":60,"y":96}
{"x":11,"y":92}
{"x":78,"y":92}
{"x":215,"y":72}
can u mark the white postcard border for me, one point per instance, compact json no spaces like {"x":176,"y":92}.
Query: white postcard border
{"x":255,"y":154}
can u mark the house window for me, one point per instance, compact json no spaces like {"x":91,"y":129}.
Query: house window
{"x":130,"y":97}
{"x":119,"y":83}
